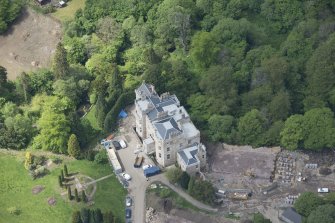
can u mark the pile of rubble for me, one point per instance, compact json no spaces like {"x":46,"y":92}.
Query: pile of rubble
{"x":150,"y":215}
{"x":290,"y":199}
{"x":285,"y":166}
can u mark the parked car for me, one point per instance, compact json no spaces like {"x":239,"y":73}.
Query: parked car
{"x":147,"y":166}
{"x":129,"y":201}
{"x":116,"y":145}
{"x":126,"y":176}
{"x":128,"y":213}
{"x":123,"y":144}
{"x":124,"y":183}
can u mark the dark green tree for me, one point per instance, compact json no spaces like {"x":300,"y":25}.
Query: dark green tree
{"x":76,"y":218}
{"x":292,"y":135}
{"x":65,"y":170}
{"x":76,"y":196}
{"x":69,"y":193}
{"x":322,"y":214}
{"x":83,"y":196}
{"x":319,"y":129}
{"x":184,"y":180}
{"x":97,"y":216}
{"x":60,"y":182}
{"x":62,"y":175}
{"x":60,"y":65}
{"x":100,"y":110}
{"x":251,"y":128}
{"x":73,"y":147}
{"x":307,"y":202}
{"x":109,"y":217}
{"x":85,"y":215}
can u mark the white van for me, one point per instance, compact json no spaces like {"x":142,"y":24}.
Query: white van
{"x":323,"y":190}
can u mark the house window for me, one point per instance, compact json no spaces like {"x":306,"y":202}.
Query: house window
{"x":203,"y":156}
{"x":160,"y":155}
{"x":196,"y":166}
{"x":189,"y":141}
{"x":168,"y":149}
{"x":168,"y":156}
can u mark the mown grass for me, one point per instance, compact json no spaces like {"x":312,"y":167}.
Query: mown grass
{"x":67,"y":13}
{"x":92,"y":120}
{"x":16,"y":191}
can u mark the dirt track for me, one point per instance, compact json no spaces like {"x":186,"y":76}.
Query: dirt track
{"x":29,"y":43}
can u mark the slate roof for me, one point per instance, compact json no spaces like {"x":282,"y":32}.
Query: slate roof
{"x":291,"y":215}
{"x":166,"y":127}
{"x":146,"y":89}
{"x":158,"y":105}
{"x":188,"y":155}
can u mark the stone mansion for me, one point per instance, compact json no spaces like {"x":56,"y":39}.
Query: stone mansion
{"x":167,"y":130}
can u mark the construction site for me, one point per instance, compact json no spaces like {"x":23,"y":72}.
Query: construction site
{"x":266,"y":180}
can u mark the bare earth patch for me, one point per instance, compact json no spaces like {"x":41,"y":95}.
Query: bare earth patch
{"x":37,"y":189}
{"x":29,"y":44}
{"x":51,"y":201}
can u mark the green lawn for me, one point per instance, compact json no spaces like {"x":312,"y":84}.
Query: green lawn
{"x":67,"y":13}
{"x":16,"y":186}
{"x":91,"y":118}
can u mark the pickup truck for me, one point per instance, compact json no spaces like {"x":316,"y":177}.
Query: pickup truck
{"x":138,"y":161}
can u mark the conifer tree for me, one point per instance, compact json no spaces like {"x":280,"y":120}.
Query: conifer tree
{"x":76,"y":218}
{"x":60,"y":181}
{"x":69,"y":193}
{"x":73,"y":147}
{"x":60,"y":65}
{"x":62,"y":175}
{"x":83,"y":196}
{"x":65,"y":170}
{"x":76,"y":195}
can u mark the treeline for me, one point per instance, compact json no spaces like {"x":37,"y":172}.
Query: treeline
{"x":9,"y":10}
{"x":93,"y":216}
{"x":249,"y":72}
{"x":314,"y":208}
{"x":241,"y":67}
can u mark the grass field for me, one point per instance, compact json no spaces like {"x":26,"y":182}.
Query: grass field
{"x":16,"y":191}
{"x":91,"y":118}
{"x":67,"y":13}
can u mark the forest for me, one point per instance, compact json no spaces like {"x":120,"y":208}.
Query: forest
{"x":257,"y":72}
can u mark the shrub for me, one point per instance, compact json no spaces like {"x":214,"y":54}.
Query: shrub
{"x":101,"y":157}
{"x":90,"y":155}
{"x":83,"y":196}
{"x":39,"y":160}
{"x":164,"y":193}
{"x":14,"y":211}
{"x":85,"y":215}
{"x":65,"y":170}
{"x":69,"y":193}
{"x":174,"y":174}
{"x":325,"y":171}
{"x":76,"y":195}
{"x":184,"y":180}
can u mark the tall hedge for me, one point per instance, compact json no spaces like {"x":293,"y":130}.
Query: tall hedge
{"x":124,"y":100}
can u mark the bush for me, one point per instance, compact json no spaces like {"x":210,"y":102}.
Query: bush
{"x":101,"y":157}
{"x":164,"y":193}
{"x":174,"y":174}
{"x":39,"y":160}
{"x":325,"y":171}
{"x":184,"y":180}
{"x":14,"y":211}
{"x":56,"y":160}
{"x":90,"y":155}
